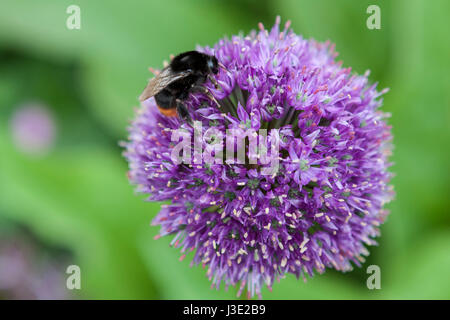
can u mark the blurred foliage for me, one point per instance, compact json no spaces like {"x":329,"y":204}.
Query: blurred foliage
{"x":78,"y":196}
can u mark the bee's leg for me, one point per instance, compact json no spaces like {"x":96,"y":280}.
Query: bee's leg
{"x":206,"y":92}
{"x":214,"y":82}
{"x":183,"y":112}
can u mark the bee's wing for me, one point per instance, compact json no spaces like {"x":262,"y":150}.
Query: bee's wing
{"x":160,"y":81}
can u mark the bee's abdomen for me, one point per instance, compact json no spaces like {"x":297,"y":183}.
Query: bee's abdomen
{"x":164,"y":99}
{"x":165,"y":102}
{"x":168,"y":112}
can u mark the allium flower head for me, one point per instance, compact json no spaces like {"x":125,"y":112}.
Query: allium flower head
{"x":321,"y":207}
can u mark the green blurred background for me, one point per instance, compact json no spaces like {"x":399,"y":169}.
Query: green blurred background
{"x":76,"y":196}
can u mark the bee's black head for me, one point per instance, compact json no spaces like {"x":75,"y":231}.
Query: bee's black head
{"x":213,"y":64}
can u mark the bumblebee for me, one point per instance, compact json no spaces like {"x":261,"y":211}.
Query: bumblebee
{"x":186,"y":73}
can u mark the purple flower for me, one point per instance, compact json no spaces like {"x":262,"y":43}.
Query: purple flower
{"x":33,"y":129}
{"x":28,"y":271}
{"x":325,"y":202}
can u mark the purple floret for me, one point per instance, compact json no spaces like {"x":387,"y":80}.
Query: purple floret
{"x":324,"y":204}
